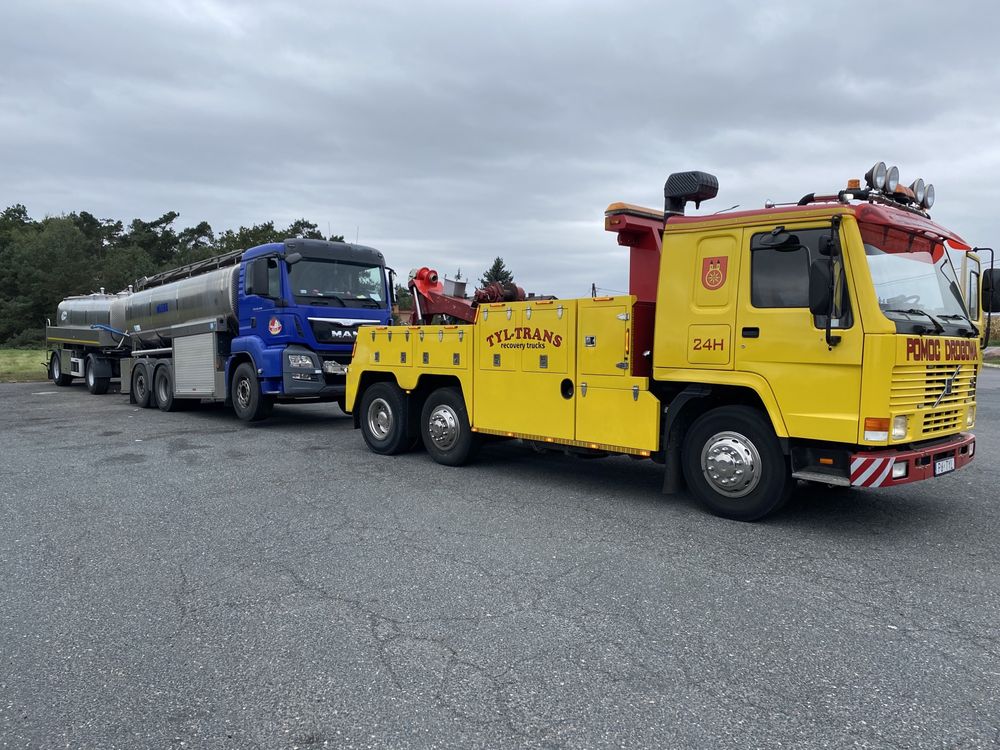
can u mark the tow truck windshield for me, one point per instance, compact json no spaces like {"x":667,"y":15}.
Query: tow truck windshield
{"x":337,"y":284}
{"x":916,"y":283}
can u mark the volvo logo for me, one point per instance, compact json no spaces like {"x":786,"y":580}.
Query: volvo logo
{"x":947,"y":386}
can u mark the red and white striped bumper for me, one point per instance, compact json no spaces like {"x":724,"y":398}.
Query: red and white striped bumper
{"x":874,"y":468}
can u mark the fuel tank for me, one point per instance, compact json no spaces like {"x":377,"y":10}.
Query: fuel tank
{"x":152,"y":315}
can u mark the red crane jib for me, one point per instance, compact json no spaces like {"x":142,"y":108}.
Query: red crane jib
{"x":429,"y":298}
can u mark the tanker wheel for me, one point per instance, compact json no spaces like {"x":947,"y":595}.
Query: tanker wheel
{"x":95,"y":385}
{"x":384,"y":419}
{"x":55,"y":371}
{"x":163,"y":387}
{"x":249,"y":403}
{"x":445,"y":428}
{"x":734,"y":465}
{"x":141,"y":391}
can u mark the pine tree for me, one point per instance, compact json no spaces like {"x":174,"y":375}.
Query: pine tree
{"x":497,"y":272}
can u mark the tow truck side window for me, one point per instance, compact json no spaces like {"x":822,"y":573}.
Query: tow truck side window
{"x":779,"y":274}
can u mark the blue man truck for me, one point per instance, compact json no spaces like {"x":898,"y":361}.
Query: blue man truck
{"x":273,"y":324}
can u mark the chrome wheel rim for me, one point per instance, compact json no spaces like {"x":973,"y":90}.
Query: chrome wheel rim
{"x":140,"y":385}
{"x":90,"y":375}
{"x":56,"y":368}
{"x":731,"y":464}
{"x":443,"y":427}
{"x":380,"y":419}
{"x":243,"y":393}
{"x":161,"y":392}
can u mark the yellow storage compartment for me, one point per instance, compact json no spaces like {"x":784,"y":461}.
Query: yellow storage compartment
{"x":444,"y":347}
{"x":602,"y":337}
{"x":496,"y":328}
{"x":390,"y":346}
{"x":626,"y":417}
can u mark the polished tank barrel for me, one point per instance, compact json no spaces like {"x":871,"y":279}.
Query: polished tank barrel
{"x":152,"y":315}
{"x":85,"y":310}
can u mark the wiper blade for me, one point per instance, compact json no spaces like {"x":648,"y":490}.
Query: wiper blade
{"x":938,"y":325}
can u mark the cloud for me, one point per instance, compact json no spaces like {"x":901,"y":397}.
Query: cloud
{"x":449,"y":133}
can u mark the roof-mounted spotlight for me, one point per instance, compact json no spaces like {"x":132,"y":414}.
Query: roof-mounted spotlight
{"x":875,"y":177}
{"x":892,"y":179}
{"x":928,"y":200}
{"x":918,"y":188}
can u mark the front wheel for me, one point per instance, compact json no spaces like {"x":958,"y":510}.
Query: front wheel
{"x":249,"y":403}
{"x":445,"y":428}
{"x":55,"y":371}
{"x":733,"y":464}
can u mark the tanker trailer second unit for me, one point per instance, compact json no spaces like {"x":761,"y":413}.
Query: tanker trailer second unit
{"x":273,"y":324}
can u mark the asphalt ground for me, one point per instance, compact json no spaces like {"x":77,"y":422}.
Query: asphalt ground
{"x":185,"y":580}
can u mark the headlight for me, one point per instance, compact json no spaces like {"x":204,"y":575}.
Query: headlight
{"x":919,"y":191}
{"x":892,"y":179}
{"x":300,"y":360}
{"x":899,"y":427}
{"x":875,"y":177}
{"x":928,"y":197}
{"x":970,"y":416}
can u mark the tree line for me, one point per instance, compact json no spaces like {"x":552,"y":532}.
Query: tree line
{"x":44,"y":260}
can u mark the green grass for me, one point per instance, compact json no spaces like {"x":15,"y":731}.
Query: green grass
{"x":22,"y":365}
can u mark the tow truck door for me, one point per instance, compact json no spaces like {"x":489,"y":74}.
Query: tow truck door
{"x":817,"y":386}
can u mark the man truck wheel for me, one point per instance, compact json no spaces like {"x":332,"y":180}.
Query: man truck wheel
{"x":734,"y":465}
{"x":163,"y":385}
{"x":384,"y":422}
{"x":444,"y":425}
{"x":55,"y":371}
{"x":141,"y":391}
{"x":95,"y":385}
{"x":249,"y":403}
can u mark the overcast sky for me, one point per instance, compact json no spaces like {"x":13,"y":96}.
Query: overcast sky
{"x":448,"y":133}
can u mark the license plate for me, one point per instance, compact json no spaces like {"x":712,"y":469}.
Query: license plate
{"x":944,"y":466}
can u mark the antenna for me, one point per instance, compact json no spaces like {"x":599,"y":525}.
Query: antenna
{"x":357,"y":233}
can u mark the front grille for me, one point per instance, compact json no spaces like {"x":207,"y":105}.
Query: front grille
{"x":332,"y":332}
{"x":918,"y":388}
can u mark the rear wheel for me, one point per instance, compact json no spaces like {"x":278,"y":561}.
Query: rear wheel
{"x":141,"y":390}
{"x":384,"y":419}
{"x":733,"y":464}
{"x":445,"y":428}
{"x":163,"y":386}
{"x":95,"y":385}
{"x":55,"y":371}
{"x":249,"y":403}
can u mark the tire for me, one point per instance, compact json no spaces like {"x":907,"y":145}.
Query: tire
{"x":751,"y":477}
{"x":55,"y":371}
{"x":163,"y":387}
{"x":142,"y":391}
{"x":445,"y":428}
{"x":384,"y":417}
{"x":249,"y":403}
{"x":95,"y":385}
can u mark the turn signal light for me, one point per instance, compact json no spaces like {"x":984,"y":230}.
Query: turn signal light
{"x":876,"y":429}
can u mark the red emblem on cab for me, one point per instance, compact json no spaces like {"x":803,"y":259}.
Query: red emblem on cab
{"x":713,"y":271}
{"x":274,"y":327}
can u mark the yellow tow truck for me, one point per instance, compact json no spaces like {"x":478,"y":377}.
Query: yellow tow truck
{"x":831,"y":340}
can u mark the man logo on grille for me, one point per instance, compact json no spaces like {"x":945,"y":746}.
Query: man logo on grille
{"x":713,"y":272}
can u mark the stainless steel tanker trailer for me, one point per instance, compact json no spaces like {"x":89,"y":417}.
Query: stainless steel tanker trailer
{"x":272,"y":324}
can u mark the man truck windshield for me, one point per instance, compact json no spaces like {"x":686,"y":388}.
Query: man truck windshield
{"x":327,"y":282}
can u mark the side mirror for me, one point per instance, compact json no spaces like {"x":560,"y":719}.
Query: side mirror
{"x":256,"y":277}
{"x":293,"y":258}
{"x":820,"y":284}
{"x":991,"y":290}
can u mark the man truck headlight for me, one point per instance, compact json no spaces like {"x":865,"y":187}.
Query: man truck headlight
{"x":300,"y":360}
{"x":899,"y":427}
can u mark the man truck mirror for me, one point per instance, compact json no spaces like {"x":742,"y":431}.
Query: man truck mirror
{"x":820,"y":284}
{"x":293,"y":258}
